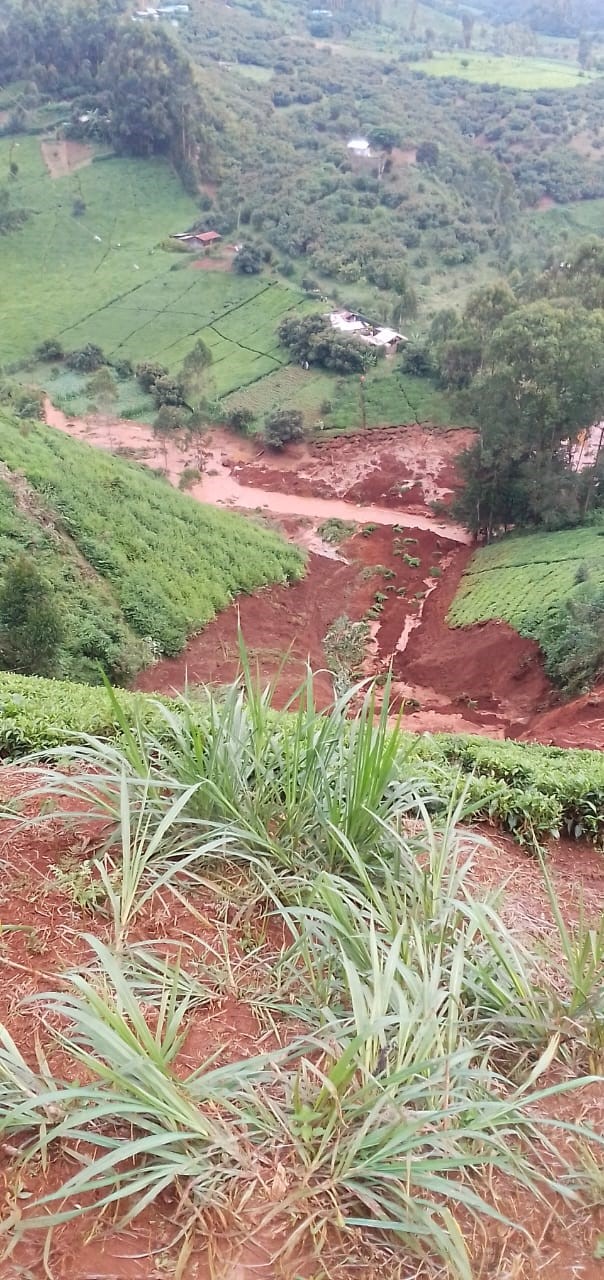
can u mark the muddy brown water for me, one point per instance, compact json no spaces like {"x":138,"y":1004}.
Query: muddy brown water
{"x":219,"y":485}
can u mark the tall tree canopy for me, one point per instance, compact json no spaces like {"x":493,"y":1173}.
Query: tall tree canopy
{"x":541,"y":384}
{"x":135,"y":82}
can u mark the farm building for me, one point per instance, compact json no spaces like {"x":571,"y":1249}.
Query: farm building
{"x":198,"y":239}
{"x":359,"y":147}
{"x":375,"y":335}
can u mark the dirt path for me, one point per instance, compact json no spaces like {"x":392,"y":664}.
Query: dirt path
{"x":65,"y":156}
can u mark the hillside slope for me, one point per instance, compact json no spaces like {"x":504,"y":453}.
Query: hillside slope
{"x":549,"y":587}
{"x":137,"y":566}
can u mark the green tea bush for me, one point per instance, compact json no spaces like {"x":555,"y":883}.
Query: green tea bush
{"x":126,"y":554}
{"x":532,"y":791}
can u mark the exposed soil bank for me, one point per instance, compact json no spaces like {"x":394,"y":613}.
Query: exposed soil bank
{"x":483,"y":679}
{"x":285,"y":627}
{"x":579,"y":723}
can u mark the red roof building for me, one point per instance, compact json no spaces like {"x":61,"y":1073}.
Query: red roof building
{"x":205,"y":238}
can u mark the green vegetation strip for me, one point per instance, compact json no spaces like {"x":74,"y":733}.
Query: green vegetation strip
{"x":517,"y":577}
{"x":515,"y":73}
{"x":131,"y":560}
{"x":531,"y":790}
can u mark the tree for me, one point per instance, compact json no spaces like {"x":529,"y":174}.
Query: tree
{"x":240,"y":420}
{"x":467,"y":22}
{"x":385,"y":138}
{"x":31,"y":631}
{"x":428,"y":153}
{"x":571,"y":634}
{"x":87,"y":359}
{"x":148,"y":373}
{"x":541,"y":383}
{"x":168,"y":391}
{"x":50,"y":349}
{"x":248,"y":261}
{"x":312,"y":340}
{"x":153,"y":98}
{"x":283,"y":426}
{"x":10,"y":219}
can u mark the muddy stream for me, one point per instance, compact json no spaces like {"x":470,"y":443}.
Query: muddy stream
{"x":219,"y":484}
{"x":485,"y":679}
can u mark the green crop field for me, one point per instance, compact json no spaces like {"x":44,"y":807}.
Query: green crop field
{"x":128,"y":556}
{"x":504,"y":69}
{"x":519,"y":577}
{"x":102,"y":278}
{"x":390,"y":397}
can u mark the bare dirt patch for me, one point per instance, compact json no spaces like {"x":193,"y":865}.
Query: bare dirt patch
{"x":484,"y":679}
{"x":544,"y":203}
{"x":65,"y":156}
{"x":221,"y":261}
{"x":48,"y":940}
{"x":404,"y":156}
{"x":579,"y":723}
{"x":583,"y":144}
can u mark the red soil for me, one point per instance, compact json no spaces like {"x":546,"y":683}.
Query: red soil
{"x":49,"y":940}
{"x":579,"y":723}
{"x":482,"y":679}
{"x":400,"y":467}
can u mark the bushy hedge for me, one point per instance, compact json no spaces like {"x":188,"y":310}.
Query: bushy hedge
{"x":530,"y":790}
{"x":38,"y":714}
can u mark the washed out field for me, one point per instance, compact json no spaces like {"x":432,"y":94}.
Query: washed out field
{"x":520,"y":576}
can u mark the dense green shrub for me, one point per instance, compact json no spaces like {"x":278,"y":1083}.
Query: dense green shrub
{"x":127,"y":555}
{"x":31,"y":630}
{"x":571,"y":635}
{"x":530,"y":790}
{"x":87,"y":359}
{"x":283,"y":426}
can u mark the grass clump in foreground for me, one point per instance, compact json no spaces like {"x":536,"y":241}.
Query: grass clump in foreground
{"x":432,"y":1032}
{"x":134,"y":564}
{"x":533,"y":791}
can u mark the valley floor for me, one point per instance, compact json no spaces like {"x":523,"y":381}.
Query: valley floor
{"x":382,"y":484}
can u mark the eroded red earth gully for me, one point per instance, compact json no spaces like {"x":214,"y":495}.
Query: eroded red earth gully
{"x":482,"y":679}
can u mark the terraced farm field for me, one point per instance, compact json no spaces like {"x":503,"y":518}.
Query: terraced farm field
{"x":390,"y":397}
{"x":102,"y":277}
{"x":523,"y":575}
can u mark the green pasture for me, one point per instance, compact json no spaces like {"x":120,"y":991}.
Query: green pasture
{"x":504,"y":69}
{"x":579,"y":218}
{"x":524,"y":574}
